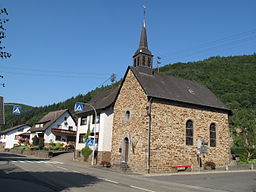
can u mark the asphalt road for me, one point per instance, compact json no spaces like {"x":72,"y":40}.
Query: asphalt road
{"x":19,"y":173}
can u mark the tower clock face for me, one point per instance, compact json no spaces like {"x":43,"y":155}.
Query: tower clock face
{"x":140,"y":50}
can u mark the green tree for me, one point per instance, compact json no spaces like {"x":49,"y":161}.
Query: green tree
{"x":244,"y":132}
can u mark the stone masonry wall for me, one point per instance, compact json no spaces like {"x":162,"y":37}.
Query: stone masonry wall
{"x":168,"y":134}
{"x":132,"y":98}
{"x":168,"y":130}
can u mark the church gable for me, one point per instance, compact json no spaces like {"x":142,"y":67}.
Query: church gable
{"x":130,"y":123}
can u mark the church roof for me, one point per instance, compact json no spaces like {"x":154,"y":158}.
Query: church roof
{"x":143,"y":46}
{"x":175,"y":89}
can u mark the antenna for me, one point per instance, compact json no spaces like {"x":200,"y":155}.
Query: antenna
{"x":158,"y":63}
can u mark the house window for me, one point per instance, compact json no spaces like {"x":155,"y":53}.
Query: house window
{"x":82,"y":138}
{"x":97,"y":119}
{"x":213,"y":135}
{"x":37,"y":125}
{"x":17,"y":137}
{"x":65,"y":118}
{"x":189,"y":132}
{"x":83,"y":121}
{"x":70,"y":128}
{"x":58,"y":138}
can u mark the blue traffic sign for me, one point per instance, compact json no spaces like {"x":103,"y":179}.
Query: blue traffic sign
{"x":89,"y":142}
{"x":79,"y":107}
{"x":16,"y":110}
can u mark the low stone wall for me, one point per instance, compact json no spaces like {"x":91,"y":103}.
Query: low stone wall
{"x":37,"y":153}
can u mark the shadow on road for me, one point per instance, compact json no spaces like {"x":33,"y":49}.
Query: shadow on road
{"x":13,"y":178}
{"x":15,"y":157}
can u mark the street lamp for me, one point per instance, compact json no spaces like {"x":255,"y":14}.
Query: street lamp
{"x":95,"y":119}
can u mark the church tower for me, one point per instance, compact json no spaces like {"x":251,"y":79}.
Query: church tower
{"x":143,"y":57}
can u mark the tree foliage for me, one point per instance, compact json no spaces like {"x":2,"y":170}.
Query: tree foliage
{"x":3,"y":21}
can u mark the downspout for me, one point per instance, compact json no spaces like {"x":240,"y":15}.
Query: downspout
{"x":149,"y":132}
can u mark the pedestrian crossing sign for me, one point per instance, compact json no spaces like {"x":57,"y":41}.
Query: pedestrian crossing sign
{"x":79,"y":107}
{"x":17,"y":110}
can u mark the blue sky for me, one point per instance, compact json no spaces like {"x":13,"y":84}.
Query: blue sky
{"x":62,"y":48}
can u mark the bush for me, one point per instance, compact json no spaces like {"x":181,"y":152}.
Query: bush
{"x":41,"y":144}
{"x":86,"y":151}
{"x":35,"y":140}
{"x":209,"y":165}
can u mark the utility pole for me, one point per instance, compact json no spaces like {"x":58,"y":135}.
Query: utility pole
{"x":158,"y":63}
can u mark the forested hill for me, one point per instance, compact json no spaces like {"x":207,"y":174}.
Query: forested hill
{"x":32,"y":114}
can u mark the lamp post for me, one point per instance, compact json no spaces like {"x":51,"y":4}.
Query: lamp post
{"x":95,"y":119}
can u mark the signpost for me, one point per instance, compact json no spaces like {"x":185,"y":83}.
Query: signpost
{"x":2,"y":118}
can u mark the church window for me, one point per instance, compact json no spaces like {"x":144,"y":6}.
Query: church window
{"x":127,"y":116}
{"x":213,"y":135}
{"x":143,"y":60}
{"x":189,"y":132}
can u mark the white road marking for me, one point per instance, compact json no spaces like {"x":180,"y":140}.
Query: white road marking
{"x":21,"y":161}
{"x":142,"y":189}
{"x":57,"y":162}
{"x":62,"y":168}
{"x":104,"y":179}
{"x":75,"y":171}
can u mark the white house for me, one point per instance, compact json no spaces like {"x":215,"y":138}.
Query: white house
{"x":103,"y":103}
{"x":10,"y":137}
{"x":56,"y":126}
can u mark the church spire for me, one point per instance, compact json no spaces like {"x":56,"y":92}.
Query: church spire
{"x":143,"y":57}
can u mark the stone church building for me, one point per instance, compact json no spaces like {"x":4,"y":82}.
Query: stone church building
{"x":159,"y":119}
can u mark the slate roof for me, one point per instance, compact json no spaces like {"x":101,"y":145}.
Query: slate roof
{"x":48,"y":120}
{"x":102,"y":100}
{"x":175,"y":89}
{"x":13,"y":128}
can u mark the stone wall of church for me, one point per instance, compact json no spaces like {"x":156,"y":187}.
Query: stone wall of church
{"x":131,"y":98}
{"x":168,"y":147}
{"x":168,"y":136}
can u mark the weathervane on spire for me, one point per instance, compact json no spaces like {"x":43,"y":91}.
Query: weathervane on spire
{"x":144,"y":6}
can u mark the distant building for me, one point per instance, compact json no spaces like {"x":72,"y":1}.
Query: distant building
{"x":10,"y":137}
{"x":56,"y":126}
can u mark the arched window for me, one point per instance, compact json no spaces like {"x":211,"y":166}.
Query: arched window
{"x":189,"y":132}
{"x":127,"y":116}
{"x":149,"y":61}
{"x":213,"y":135}
{"x":143,"y":60}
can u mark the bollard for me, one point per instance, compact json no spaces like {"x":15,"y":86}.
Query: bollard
{"x":226,"y":167}
{"x":251,"y":166}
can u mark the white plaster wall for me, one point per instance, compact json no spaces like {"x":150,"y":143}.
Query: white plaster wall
{"x":80,"y":130}
{"x":105,"y":135}
{"x":49,"y":137}
{"x":10,"y":136}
